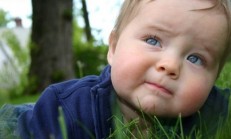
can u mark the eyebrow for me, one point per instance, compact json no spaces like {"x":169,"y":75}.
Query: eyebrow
{"x":210,"y":51}
{"x":161,"y":27}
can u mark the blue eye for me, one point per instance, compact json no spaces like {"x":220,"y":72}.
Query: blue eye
{"x":152,"y":41}
{"x":195,"y":59}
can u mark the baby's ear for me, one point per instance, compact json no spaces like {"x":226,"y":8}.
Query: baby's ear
{"x":112,"y":46}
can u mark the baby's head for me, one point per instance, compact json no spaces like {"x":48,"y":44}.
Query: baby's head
{"x":130,"y":8}
{"x":166,"y":55}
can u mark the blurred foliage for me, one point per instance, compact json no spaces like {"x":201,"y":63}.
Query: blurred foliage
{"x":14,"y":71}
{"x":19,"y":54}
{"x":3,"y":18}
{"x":90,"y":57}
{"x":224,"y":79}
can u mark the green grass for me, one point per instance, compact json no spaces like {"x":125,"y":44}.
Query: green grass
{"x":25,"y":99}
{"x":224,"y":80}
{"x":20,"y":100}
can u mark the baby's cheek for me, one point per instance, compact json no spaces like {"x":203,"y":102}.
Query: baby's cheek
{"x":193,"y":99}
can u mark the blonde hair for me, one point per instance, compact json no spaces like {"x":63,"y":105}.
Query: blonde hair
{"x":130,"y":8}
{"x":227,"y":8}
{"x":127,"y":12}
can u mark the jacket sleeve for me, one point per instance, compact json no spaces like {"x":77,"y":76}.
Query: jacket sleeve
{"x":41,"y":122}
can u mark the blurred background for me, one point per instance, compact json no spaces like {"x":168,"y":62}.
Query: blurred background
{"x":49,"y":41}
{"x":45,"y":42}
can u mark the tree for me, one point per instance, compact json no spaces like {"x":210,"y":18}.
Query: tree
{"x":86,"y":21}
{"x":51,"y":43}
{"x":3,"y":19}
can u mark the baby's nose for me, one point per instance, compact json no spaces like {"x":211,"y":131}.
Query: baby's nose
{"x":171,"y":67}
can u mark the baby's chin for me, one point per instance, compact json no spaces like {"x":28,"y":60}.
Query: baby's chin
{"x":165,"y":113}
{"x":159,"y":109}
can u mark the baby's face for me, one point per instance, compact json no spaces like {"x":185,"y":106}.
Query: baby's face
{"x":166,"y":59}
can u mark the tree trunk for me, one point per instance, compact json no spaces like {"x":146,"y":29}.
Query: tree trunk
{"x":86,"y":21}
{"x":51,"y":46}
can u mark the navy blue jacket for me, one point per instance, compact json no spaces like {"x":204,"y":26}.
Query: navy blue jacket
{"x":87,"y":108}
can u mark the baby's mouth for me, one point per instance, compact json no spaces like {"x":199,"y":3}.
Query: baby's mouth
{"x":159,"y":87}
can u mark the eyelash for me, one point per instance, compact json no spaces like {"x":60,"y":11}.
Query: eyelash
{"x":148,"y":36}
{"x":201,"y":58}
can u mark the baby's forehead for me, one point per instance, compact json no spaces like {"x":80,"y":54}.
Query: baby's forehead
{"x":185,"y":5}
{"x":207,"y":7}
{"x":197,"y":19}
{"x":178,"y":12}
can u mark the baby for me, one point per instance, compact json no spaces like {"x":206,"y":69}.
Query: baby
{"x":164,"y":58}
{"x":166,"y":55}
